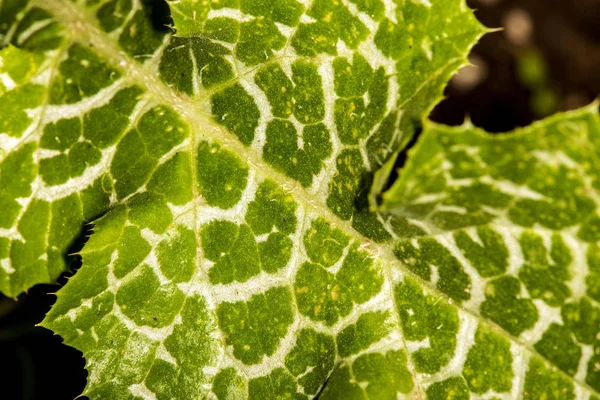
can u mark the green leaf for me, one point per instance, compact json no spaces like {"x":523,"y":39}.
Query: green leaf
{"x":508,"y":225}
{"x":226,"y":169}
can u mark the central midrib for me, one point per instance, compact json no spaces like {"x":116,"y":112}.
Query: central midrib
{"x":86,"y":32}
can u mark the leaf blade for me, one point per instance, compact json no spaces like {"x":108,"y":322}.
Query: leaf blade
{"x":257,"y":319}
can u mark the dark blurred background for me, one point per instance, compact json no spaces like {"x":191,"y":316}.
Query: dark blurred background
{"x":546,"y":59}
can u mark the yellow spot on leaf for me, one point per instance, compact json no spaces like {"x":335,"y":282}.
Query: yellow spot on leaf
{"x":302,"y":290}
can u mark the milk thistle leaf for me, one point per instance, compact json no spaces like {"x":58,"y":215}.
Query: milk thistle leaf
{"x":224,"y":159}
